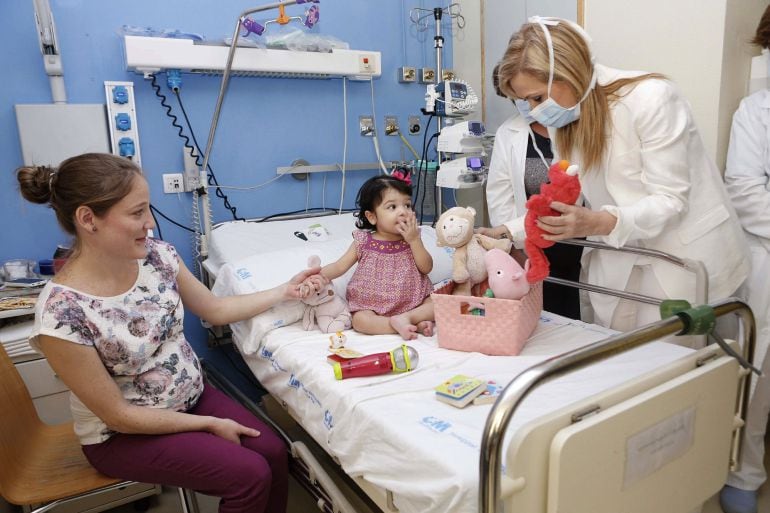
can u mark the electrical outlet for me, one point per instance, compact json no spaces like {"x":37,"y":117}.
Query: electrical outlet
{"x":407,"y":74}
{"x":414,"y":125}
{"x":391,"y":125}
{"x":448,"y":74}
{"x":427,"y":76}
{"x":173,"y":182}
{"x":366,"y":126}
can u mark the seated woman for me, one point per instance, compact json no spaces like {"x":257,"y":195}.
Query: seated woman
{"x":111,"y":325}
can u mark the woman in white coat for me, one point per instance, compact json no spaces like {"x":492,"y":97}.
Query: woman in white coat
{"x":645,"y":175}
{"x":747,"y":176}
{"x":519,"y":166}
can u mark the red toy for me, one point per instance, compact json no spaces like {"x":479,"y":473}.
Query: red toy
{"x":563,"y":186}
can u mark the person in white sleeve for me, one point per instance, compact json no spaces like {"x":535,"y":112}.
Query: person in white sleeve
{"x":645,"y":176}
{"x":519,"y":166}
{"x":747,"y":176}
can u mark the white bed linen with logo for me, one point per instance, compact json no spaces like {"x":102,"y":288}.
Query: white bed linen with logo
{"x":390,"y":429}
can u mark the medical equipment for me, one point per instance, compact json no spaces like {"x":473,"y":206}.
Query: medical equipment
{"x":462,"y":173}
{"x":462,"y":137}
{"x":453,"y":98}
{"x":46,"y":34}
{"x":121,"y":118}
{"x":401,"y":359}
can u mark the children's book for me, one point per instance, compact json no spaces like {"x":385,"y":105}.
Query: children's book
{"x":490,"y":394}
{"x":459,"y":390}
{"x":342,"y":354}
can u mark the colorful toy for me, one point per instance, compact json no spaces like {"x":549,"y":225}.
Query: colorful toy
{"x":455,"y":230}
{"x":507,"y":278}
{"x":563,"y":186}
{"x":325,"y":308}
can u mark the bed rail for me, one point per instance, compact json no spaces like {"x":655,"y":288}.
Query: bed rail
{"x":694,"y":266}
{"x":503,"y":410}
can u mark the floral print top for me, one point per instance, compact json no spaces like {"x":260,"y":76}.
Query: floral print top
{"x":138,"y":336}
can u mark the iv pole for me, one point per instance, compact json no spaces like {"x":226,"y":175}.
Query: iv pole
{"x":218,"y":108}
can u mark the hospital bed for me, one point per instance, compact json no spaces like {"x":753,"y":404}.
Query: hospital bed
{"x":647,"y":426}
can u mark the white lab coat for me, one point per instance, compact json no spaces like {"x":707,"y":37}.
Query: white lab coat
{"x":747,"y":177}
{"x":667,"y":195}
{"x":506,"y":196}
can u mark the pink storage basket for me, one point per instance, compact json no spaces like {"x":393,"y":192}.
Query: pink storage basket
{"x":502,"y":331}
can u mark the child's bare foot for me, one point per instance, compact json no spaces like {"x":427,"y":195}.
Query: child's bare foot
{"x":425,"y":327}
{"x":401,"y":324}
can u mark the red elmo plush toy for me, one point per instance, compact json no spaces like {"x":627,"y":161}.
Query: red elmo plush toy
{"x":563,"y":186}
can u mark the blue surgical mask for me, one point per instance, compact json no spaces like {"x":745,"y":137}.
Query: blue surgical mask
{"x":549,"y":113}
{"x":523,"y":107}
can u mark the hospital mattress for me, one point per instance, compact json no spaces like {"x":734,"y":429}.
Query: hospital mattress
{"x":390,"y":431}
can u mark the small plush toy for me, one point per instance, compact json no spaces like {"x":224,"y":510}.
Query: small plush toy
{"x":507,"y":278}
{"x":455,"y":229}
{"x":563,"y":186}
{"x":325,"y":308}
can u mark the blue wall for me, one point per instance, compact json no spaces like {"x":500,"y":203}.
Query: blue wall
{"x":265,"y":123}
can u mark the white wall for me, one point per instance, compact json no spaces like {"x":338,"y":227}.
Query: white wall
{"x":700,"y":44}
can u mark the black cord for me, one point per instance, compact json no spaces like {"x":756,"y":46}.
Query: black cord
{"x":164,"y":216}
{"x":211,"y":177}
{"x":314,"y":209}
{"x":421,"y":164}
{"x":157,"y":224}
{"x":425,"y":187}
{"x":192,"y":149}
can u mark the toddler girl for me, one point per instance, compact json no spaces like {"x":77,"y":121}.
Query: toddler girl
{"x":390,"y":290}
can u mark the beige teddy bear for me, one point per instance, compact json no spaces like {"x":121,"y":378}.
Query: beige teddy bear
{"x":455,"y":229}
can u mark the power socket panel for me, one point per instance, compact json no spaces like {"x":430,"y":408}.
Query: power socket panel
{"x":192,"y":173}
{"x":173,"y":183}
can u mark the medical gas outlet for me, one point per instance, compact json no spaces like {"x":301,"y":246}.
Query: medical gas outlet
{"x":121,"y":111}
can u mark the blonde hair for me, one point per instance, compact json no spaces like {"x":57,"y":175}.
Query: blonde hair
{"x":95,"y":180}
{"x":527,"y":53}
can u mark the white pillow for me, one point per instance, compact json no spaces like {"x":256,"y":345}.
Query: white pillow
{"x":272,"y":268}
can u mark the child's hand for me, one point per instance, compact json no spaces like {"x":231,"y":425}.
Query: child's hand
{"x":407,"y":228}
{"x":305,"y":283}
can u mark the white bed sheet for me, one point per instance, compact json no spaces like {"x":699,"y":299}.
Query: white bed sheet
{"x":234,"y":241}
{"x":390,"y":429}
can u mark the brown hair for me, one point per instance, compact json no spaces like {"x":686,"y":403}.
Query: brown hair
{"x":527,"y":53}
{"x":762,"y":37}
{"x":94,"y":180}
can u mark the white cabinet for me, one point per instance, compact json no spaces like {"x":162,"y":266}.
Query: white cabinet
{"x":49,"y":393}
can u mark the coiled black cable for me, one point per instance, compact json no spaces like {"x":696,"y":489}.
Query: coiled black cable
{"x":211,"y":177}
{"x":154,"y":209}
{"x":193,"y":150}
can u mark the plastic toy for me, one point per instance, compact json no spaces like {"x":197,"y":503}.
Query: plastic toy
{"x":507,"y":279}
{"x":563,"y":186}
{"x":337,"y":341}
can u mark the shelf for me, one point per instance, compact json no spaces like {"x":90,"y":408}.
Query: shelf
{"x":157,"y":54}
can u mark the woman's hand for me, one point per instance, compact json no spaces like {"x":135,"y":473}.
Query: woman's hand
{"x":575,"y":221}
{"x":407,"y":228}
{"x":305,"y":283}
{"x":230,"y":430}
{"x":498,"y":232}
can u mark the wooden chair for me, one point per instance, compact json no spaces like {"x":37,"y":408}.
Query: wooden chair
{"x":41,"y":463}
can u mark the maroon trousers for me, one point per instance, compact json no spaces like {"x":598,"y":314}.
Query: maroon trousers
{"x":252,"y":477}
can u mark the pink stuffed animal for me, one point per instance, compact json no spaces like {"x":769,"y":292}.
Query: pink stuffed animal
{"x":325,"y":308}
{"x":507,"y":279}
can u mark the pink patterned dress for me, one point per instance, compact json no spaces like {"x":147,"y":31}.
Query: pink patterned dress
{"x":386,"y":280}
